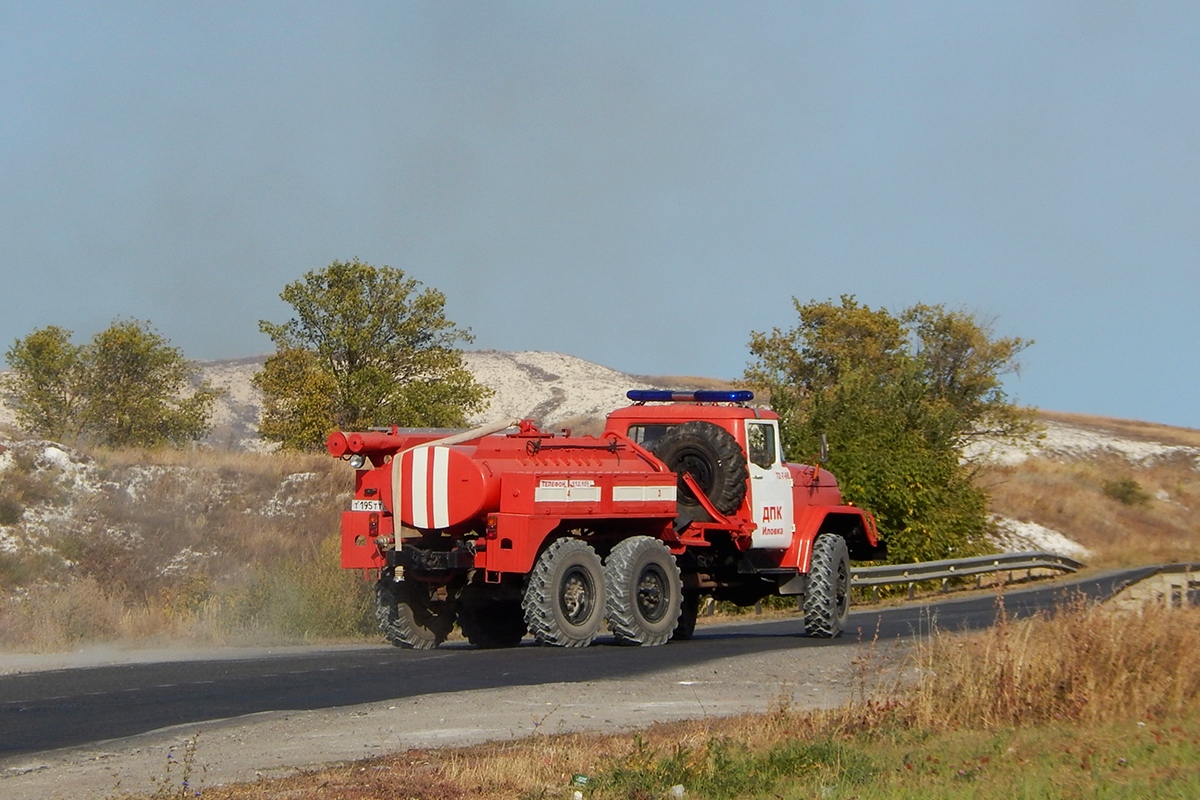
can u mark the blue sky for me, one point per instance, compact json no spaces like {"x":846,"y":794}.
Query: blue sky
{"x":637,"y":184}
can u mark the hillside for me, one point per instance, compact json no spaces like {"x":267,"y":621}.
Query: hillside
{"x":554,"y":389}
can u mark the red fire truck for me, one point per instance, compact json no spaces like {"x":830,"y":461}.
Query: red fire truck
{"x":509,"y":530}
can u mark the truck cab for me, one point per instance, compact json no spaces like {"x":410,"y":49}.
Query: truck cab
{"x":779,"y":498}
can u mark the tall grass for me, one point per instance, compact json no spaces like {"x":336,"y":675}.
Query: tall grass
{"x":1087,"y":664}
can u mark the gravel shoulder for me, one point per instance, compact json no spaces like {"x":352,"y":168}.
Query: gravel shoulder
{"x":279,"y":743}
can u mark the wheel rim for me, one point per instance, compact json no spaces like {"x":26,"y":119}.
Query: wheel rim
{"x":577,"y":595}
{"x":697,"y":465}
{"x":652,"y":593}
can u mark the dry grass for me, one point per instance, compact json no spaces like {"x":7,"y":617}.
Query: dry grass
{"x":1077,"y":499}
{"x":1090,"y":664}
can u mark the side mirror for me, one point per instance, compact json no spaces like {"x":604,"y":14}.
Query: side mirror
{"x":824,"y":449}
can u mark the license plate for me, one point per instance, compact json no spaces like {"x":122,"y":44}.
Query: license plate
{"x":366,"y":505}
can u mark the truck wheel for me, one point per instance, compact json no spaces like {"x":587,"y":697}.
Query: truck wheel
{"x":644,"y":591}
{"x":713,"y":457}
{"x":564,"y":601}
{"x":689,"y":609}
{"x":410,"y":616}
{"x":489,"y":621}
{"x":827,"y":603}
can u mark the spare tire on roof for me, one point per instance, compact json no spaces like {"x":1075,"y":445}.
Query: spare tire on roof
{"x":714,"y":459}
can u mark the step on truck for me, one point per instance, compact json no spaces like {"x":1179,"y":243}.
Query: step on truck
{"x":508,"y":530}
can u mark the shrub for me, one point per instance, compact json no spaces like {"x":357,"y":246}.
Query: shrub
{"x":1127,"y":491}
{"x":10,"y":511}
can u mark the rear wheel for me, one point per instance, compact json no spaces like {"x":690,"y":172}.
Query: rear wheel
{"x":491,"y":618}
{"x":827,"y":603}
{"x":411,"y":614}
{"x":564,"y":601}
{"x":644,"y":591}
{"x":689,"y":609}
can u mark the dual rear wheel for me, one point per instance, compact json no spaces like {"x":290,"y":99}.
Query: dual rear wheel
{"x":571,"y":592}
{"x":413,"y":614}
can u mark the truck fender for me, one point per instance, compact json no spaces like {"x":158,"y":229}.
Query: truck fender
{"x":853,"y":524}
{"x":518,"y":541}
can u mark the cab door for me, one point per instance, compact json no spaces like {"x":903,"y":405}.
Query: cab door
{"x":770,"y":486}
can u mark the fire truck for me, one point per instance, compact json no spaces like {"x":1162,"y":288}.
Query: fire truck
{"x":509,"y":530}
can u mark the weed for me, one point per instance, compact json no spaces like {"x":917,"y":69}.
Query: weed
{"x":1087,"y":663}
{"x":179,"y":779}
{"x":725,"y":768}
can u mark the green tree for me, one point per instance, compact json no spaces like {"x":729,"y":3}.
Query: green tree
{"x":44,"y":384}
{"x":899,"y":397}
{"x":128,"y":387}
{"x":140,"y":391}
{"x":367,"y":346}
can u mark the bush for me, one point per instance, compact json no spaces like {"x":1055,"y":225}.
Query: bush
{"x":10,"y":511}
{"x":1126,"y":491}
{"x":305,"y":598}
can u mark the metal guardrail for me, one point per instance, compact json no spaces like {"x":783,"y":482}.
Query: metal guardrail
{"x":912,"y":574}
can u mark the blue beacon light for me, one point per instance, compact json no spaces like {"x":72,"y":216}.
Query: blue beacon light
{"x":701,"y":396}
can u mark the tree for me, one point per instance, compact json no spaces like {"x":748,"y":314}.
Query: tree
{"x":366,"y":347}
{"x":137,"y":390}
{"x":43,"y":386}
{"x":898,"y":397}
{"x":128,"y":387}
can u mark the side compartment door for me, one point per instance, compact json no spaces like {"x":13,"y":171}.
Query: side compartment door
{"x":770,"y":486}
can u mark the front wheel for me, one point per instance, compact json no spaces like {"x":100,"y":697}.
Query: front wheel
{"x":411,"y":615}
{"x":827,"y":604}
{"x":564,"y":601}
{"x":644,"y":591}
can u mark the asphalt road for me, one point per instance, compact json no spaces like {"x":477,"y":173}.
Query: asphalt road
{"x":42,"y":711}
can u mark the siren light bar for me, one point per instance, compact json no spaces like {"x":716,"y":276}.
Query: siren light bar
{"x":701,"y":396}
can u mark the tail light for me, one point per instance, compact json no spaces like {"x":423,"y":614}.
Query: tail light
{"x":490,"y":531}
